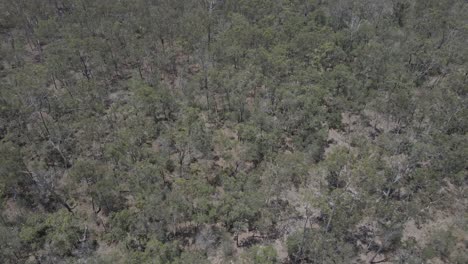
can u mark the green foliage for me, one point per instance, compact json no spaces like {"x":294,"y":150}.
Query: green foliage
{"x":10,"y":244}
{"x":261,"y":255}
{"x":443,"y":245}
{"x":317,"y":247}
{"x":157,"y":252}
{"x":157,"y":101}
{"x":12,"y":171}
{"x":59,"y":232}
{"x":151,"y":122}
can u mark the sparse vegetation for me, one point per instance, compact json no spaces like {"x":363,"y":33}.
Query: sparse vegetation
{"x":233,"y":131}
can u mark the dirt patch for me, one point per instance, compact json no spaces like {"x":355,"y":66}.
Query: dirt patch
{"x":422,"y":233}
{"x":11,"y":211}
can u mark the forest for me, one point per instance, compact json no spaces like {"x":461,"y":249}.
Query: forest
{"x":233,"y":131}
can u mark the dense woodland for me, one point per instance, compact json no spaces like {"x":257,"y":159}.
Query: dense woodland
{"x":233,"y":131}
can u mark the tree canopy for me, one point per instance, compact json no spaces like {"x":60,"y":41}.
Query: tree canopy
{"x":233,"y":131}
